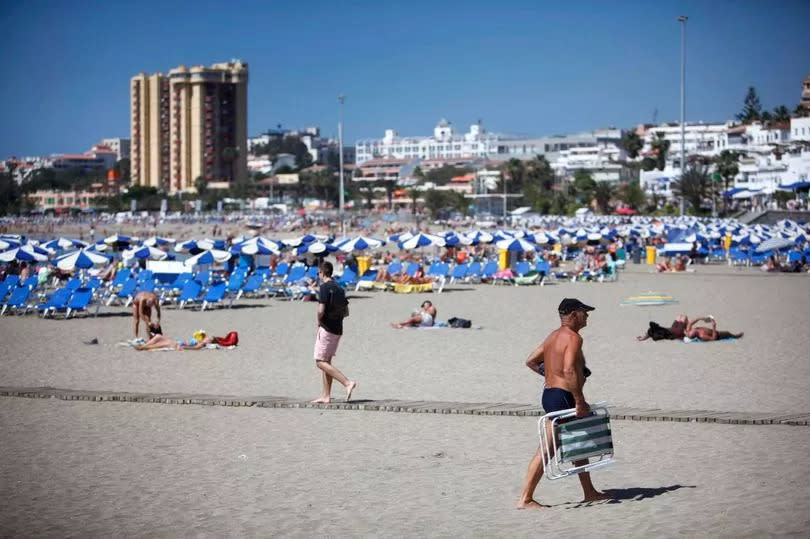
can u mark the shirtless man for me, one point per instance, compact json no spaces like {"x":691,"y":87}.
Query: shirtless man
{"x":142,"y":310}
{"x":564,"y":364}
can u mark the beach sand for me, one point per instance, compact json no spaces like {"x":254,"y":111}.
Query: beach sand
{"x":766,"y":371}
{"x":137,"y":469}
{"x":102,"y":469}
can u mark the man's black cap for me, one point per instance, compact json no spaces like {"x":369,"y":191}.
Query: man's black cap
{"x":569,"y":305}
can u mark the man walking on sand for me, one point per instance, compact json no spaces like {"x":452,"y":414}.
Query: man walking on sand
{"x":561,"y":356}
{"x":333,"y":307}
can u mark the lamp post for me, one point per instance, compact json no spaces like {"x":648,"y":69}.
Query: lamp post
{"x":341,"y":98}
{"x":682,"y":19}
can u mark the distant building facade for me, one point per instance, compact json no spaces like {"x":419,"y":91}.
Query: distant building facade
{"x":121,"y":146}
{"x":189,"y":124}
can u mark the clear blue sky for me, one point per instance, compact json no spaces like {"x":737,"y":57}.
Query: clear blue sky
{"x":528,"y":67}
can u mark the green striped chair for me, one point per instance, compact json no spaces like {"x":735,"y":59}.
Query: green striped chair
{"x":577,"y":439}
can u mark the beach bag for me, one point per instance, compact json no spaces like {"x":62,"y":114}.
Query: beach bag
{"x":231,"y":339}
{"x":459,"y":322}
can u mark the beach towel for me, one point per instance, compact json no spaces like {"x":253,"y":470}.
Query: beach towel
{"x":400,"y":288}
{"x":687,"y":340}
{"x":441,"y":325}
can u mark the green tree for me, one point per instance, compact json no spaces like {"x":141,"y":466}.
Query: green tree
{"x":442,"y":175}
{"x":633,"y":195}
{"x":693,"y":185}
{"x":781,"y":114}
{"x":435,"y":202}
{"x":512,"y":172}
{"x":583,"y":187}
{"x":632,"y":144}
{"x":11,"y":195}
{"x":660,"y":149}
{"x":419,"y":174}
{"x":726,"y":165}
{"x":801,"y":111}
{"x":752,"y":109}
{"x":603,"y":193}
{"x":201,"y":185}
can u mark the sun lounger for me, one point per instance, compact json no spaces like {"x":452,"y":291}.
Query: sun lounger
{"x":252,"y":285}
{"x":459,"y":272}
{"x":79,"y":301}
{"x":17,"y":299}
{"x":56,"y":302}
{"x":576,"y":440}
{"x":190,"y":293}
{"x":126,"y":293}
{"x":214,"y":294}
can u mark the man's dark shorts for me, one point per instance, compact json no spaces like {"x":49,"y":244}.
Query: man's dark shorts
{"x":556,"y":399}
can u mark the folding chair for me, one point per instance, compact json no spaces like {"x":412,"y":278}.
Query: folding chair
{"x":576,"y":440}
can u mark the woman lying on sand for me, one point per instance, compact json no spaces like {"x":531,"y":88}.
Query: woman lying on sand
{"x":683,"y":328}
{"x":197,"y":342}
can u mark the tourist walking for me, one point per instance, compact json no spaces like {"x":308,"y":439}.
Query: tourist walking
{"x":333,"y":307}
{"x":561,"y":357}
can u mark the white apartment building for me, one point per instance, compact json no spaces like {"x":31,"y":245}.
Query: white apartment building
{"x":120,"y":146}
{"x":444,"y":144}
{"x":699,"y":138}
{"x":800,"y":129}
{"x":602,"y":162}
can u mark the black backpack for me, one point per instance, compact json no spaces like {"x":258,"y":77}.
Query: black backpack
{"x":659,"y":333}
{"x":459,"y":323}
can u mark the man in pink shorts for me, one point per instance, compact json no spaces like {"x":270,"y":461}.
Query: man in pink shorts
{"x":333,"y":307}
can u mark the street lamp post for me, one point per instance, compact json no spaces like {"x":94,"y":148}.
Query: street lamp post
{"x":341,"y":98}
{"x":682,"y":19}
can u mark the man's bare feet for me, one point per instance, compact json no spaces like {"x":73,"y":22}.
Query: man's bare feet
{"x":322,"y":400}
{"x":596,"y":497}
{"x":531,"y":504}
{"x":351,"y":387}
{"x":395,"y":325}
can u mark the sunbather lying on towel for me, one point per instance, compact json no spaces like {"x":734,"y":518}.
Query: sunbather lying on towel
{"x":425,"y":316}
{"x":709,"y":334}
{"x":682,"y":328}
{"x":197,"y":342}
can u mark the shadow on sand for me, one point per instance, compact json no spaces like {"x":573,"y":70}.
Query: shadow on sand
{"x":633,"y":494}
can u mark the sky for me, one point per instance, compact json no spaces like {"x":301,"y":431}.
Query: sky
{"x":520,"y":67}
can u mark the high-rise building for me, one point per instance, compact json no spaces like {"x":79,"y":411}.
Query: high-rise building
{"x":190,"y":124}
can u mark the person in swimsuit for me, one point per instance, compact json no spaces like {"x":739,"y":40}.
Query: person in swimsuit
{"x":709,"y":334}
{"x":563,"y":362}
{"x":426,"y":317}
{"x":142,"y":306}
{"x":159,"y":342}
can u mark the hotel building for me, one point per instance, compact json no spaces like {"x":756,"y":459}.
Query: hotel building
{"x":189,"y":124}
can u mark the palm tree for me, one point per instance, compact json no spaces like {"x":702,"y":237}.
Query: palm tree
{"x":632,"y":144}
{"x":725,"y":164}
{"x":693,"y":185}
{"x":603,"y":193}
{"x":660,"y":147}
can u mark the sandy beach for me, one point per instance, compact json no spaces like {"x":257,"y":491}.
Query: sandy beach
{"x":86,"y":469}
{"x":158,"y":470}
